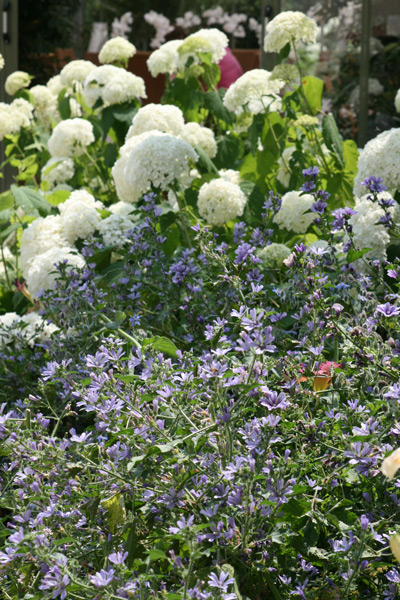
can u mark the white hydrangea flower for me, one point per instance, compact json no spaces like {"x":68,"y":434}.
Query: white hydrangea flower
{"x":14,"y":116}
{"x":124,"y":191}
{"x":380,"y":157}
{"x":45,"y":104}
{"x":113,"y":85}
{"x":230,"y":175}
{"x":289,"y":26}
{"x":79,"y":216}
{"x":158,"y":161}
{"x":165,"y":59}
{"x":211,"y":41}
{"x":366,"y":232}
{"x":161,"y":117}
{"x":284,"y":170}
{"x":8,"y":322}
{"x":255,"y":91}
{"x":121,"y":208}
{"x":38,"y":237}
{"x":114,"y":229}
{"x":306,"y":121}
{"x":273,"y":255}
{"x":286,"y":72}
{"x":17,"y":81}
{"x":41,"y":274}
{"x":118,"y":49}
{"x":161,"y":24}
{"x":57,"y":171}
{"x":69,"y":137}
{"x":75,"y":72}
{"x":220,"y":201}
{"x":397,"y":101}
{"x":196,"y":135}
{"x":36,"y":329}
{"x":293,"y":214}
{"x":54,"y":84}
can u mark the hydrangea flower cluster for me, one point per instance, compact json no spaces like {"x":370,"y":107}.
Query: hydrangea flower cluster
{"x":289,"y":27}
{"x":255,"y":91}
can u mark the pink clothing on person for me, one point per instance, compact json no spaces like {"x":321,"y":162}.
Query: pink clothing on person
{"x":230,"y":69}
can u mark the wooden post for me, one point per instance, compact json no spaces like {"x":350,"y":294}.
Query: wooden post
{"x":364,"y":72}
{"x":269,"y":10}
{"x":9,"y":51}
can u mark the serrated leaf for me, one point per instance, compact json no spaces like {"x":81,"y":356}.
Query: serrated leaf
{"x":30,"y":200}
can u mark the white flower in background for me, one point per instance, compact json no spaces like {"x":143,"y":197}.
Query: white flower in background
{"x":1,"y":62}
{"x":54,"y":84}
{"x":165,"y":59}
{"x":366,"y":232}
{"x":35,"y":329}
{"x":40,"y":235}
{"x":215,"y":16}
{"x":120,"y":27}
{"x":161,"y":24}
{"x":113,"y":85}
{"x":233,"y":25}
{"x":293,"y":214}
{"x":17,"y":81}
{"x":79,"y":216}
{"x":42,"y":274}
{"x":289,"y":26}
{"x":161,"y":117}
{"x":255,"y":26}
{"x":273,"y":255}
{"x":8,"y":321}
{"x":375,"y":88}
{"x":196,"y":135}
{"x":75,"y":72}
{"x":70,"y":137}
{"x":125,"y":192}
{"x":114,"y":228}
{"x":230,"y":175}
{"x":391,"y":465}
{"x":158,"y":161}
{"x":57,"y":171}
{"x":220,"y":201}
{"x":284,"y":170}
{"x":380,"y":157}
{"x":255,"y":91}
{"x":118,"y":49}
{"x":210,"y":41}
{"x":397,"y":101}
{"x":188,"y":20}
{"x":14,"y":116}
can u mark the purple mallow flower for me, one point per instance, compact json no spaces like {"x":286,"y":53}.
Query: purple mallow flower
{"x":221,"y":582}
{"x":387,"y":310}
{"x":374,"y":184}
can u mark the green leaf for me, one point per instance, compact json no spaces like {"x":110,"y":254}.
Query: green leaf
{"x":110,"y":155}
{"x":332,"y":138}
{"x":30,"y":200}
{"x":350,"y":153}
{"x":116,"y":514}
{"x":230,"y":152}
{"x":284,"y":53}
{"x":205,"y":161}
{"x":162,"y":344}
{"x":64,"y":107}
{"x":156,"y":554}
{"x":58,"y":197}
{"x":6,"y":201}
{"x":353,"y":254}
{"x":313,"y":88}
{"x":213,"y":102}
{"x":135,"y":460}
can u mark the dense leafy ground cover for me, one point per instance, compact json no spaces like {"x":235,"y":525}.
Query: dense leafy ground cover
{"x":199,"y":339}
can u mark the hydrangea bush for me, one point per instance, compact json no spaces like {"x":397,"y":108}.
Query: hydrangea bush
{"x":199,"y":336}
